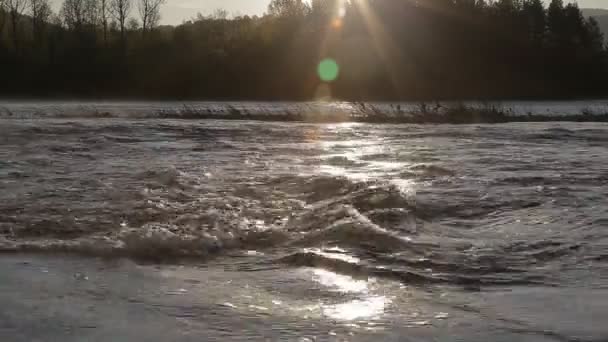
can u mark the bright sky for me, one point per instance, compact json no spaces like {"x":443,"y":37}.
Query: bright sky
{"x":176,"y":11}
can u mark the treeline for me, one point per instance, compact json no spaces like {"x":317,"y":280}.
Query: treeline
{"x":385,"y":49}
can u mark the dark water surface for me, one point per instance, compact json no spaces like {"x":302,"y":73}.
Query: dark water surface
{"x":257,"y":230}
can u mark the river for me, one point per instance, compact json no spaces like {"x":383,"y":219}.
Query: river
{"x":120,"y":228}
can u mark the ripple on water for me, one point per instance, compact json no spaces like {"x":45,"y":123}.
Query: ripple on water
{"x":422,"y":204}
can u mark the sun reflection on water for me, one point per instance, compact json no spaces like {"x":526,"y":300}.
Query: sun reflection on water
{"x":334,"y":253}
{"x":339,"y":282}
{"x":358,"y":309}
{"x":363,"y":160}
{"x":366,"y":306}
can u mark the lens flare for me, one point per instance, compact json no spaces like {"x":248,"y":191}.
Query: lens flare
{"x":336,"y":24}
{"x":328,"y":70}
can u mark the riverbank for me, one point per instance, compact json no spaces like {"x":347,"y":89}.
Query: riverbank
{"x":394,"y":114}
{"x":321,"y":112}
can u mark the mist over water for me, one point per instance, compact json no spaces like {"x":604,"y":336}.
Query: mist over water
{"x":369,"y":210}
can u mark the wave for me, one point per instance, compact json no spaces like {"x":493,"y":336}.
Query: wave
{"x":427,"y":170}
{"x":355,"y":270}
{"x":151,"y":242}
{"x":316,"y":188}
{"x":420,"y":271}
{"x":355,"y":230}
{"x":557,"y":182}
{"x":343,"y":161}
{"x":390,"y":233}
{"x":583,"y":135}
{"x":166,"y":177}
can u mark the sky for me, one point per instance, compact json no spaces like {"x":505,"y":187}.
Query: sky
{"x":176,"y":11}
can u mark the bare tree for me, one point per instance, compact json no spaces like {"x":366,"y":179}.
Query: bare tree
{"x":104,"y":14}
{"x":40,"y":11}
{"x":2,"y":15}
{"x":73,"y":14}
{"x":120,"y":10}
{"x":91,"y":13}
{"x":15,"y":10}
{"x":54,"y":29}
{"x":149,"y":12}
{"x":80,"y":14}
{"x":133,"y":24}
{"x":219,"y":13}
{"x":288,"y":8}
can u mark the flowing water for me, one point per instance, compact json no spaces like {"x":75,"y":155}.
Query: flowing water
{"x":161,"y":229}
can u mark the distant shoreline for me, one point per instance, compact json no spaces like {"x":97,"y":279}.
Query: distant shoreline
{"x":316,"y":112}
{"x":62,"y":98}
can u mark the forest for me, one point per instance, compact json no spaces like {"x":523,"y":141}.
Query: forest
{"x":378,"y":49}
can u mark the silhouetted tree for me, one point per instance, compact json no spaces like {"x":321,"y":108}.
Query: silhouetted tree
{"x":79,"y":15}
{"x":133,"y":24}
{"x":326,"y":8}
{"x":536,"y":20}
{"x":2,"y":15}
{"x":120,"y":10}
{"x":594,"y":38}
{"x":556,"y":22}
{"x":385,"y":49}
{"x":40,"y":11}
{"x":288,"y":8}
{"x":15,"y":9}
{"x":149,"y":12}
{"x":104,"y":15}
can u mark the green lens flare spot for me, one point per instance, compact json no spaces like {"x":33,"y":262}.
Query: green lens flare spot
{"x":328,"y":70}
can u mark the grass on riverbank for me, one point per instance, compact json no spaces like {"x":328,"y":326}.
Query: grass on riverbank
{"x":423,"y":113}
{"x":368,"y":113}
